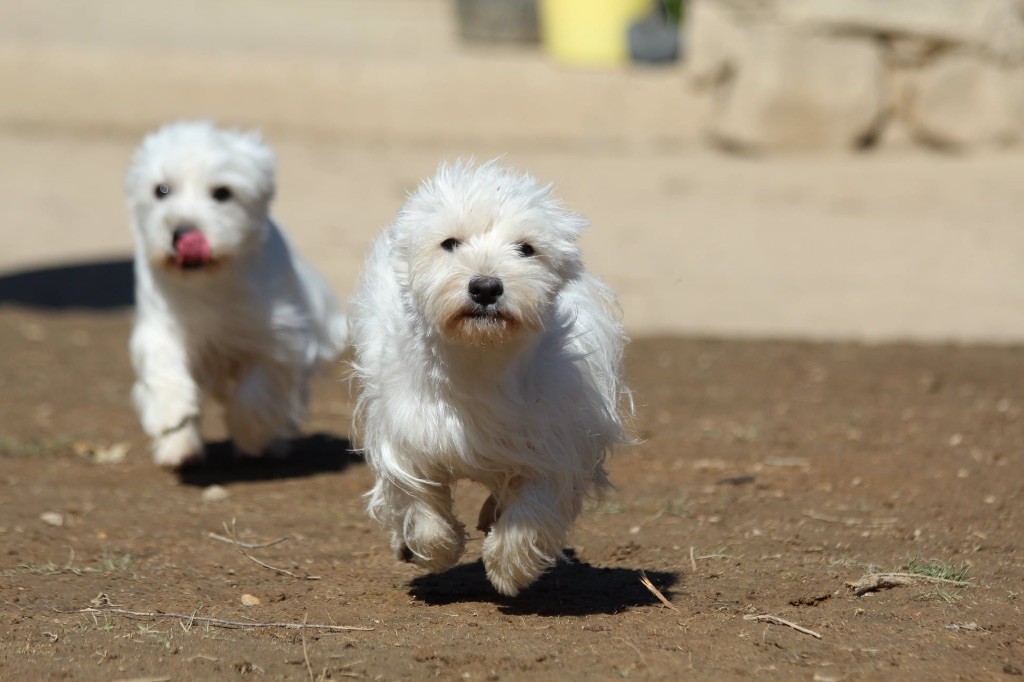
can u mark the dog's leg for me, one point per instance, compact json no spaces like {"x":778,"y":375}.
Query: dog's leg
{"x":529,"y":534}
{"x":424,"y":530}
{"x":489,"y":514}
{"x":260,"y":412}
{"x":166,"y":396}
{"x":431,"y":533}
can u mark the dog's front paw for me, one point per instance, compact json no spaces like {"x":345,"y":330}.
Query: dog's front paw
{"x":431,"y":542}
{"x":178,"y":448}
{"x":514,"y":561}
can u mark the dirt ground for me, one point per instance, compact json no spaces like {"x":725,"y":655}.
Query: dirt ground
{"x":769,"y":475}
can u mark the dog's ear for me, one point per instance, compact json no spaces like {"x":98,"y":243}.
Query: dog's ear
{"x":249,"y":145}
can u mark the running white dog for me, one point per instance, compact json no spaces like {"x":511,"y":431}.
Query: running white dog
{"x":485,"y":351}
{"x":224,"y":306}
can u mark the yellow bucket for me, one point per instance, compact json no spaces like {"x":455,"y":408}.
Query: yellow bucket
{"x":589,"y":32}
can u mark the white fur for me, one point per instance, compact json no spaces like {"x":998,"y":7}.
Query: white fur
{"x":526,"y":402}
{"x":248,"y":329}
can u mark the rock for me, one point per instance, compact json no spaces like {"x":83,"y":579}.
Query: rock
{"x":114,"y":454}
{"x":795,"y":91}
{"x":653,"y":40}
{"x":960,"y":101}
{"x":839,"y":74}
{"x":102,"y":454}
{"x":992,"y":27}
{"x":491,"y":21}
{"x":1013,"y":84}
{"x":714,"y":41}
{"x":250,"y":600}
{"x":896,"y":132}
{"x":911,"y":52}
{"x":215,"y":493}
{"x":52,"y":519}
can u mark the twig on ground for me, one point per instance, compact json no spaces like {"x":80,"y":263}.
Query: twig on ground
{"x":768,"y":618}
{"x":283,"y":571}
{"x":305,"y":653}
{"x":693,"y":560}
{"x":874,"y":582}
{"x":849,"y":521}
{"x":718,"y":555}
{"x":798,"y":462}
{"x":248,"y":545}
{"x":877,"y":582}
{"x":646,"y":582}
{"x":346,"y":673}
{"x":234,"y":541}
{"x":230,"y":624}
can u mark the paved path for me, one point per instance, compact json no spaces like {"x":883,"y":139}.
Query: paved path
{"x":361,"y":99}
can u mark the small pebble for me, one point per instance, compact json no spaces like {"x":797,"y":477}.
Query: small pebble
{"x":250,"y":600}
{"x":52,"y":519}
{"x":114,"y":454}
{"x":215,"y":493}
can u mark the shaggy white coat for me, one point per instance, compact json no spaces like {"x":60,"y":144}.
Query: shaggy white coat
{"x":523,"y":396}
{"x":248,"y":328}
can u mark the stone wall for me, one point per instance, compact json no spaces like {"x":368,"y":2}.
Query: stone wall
{"x":847,"y":74}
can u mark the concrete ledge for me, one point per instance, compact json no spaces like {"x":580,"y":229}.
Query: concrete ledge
{"x":514,"y":98}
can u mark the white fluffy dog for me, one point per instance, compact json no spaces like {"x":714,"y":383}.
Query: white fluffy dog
{"x":485,"y":351}
{"x":224,"y":306}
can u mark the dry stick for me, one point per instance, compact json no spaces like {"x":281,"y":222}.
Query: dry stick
{"x":232,"y":624}
{"x":768,"y":618}
{"x":848,"y":522}
{"x":305,"y":653}
{"x":250,"y":557}
{"x":876,"y":583}
{"x":693,"y":560}
{"x":248,"y":545}
{"x":282,"y":571}
{"x":926,"y":578}
{"x":645,"y":581}
{"x":884,"y":581}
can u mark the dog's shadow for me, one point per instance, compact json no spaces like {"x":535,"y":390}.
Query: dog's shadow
{"x":571,"y":588}
{"x":97,"y":285}
{"x":309,"y":455}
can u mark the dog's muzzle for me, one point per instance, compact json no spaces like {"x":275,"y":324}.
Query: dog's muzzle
{"x":191,"y":248}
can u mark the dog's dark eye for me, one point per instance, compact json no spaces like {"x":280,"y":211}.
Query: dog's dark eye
{"x":450,"y":244}
{"x":525,"y":250}
{"x":221,"y":194}
{"x":161,"y":190}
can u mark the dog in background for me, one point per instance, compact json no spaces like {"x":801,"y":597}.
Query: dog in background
{"x":224,"y":306}
{"x":485,"y":351}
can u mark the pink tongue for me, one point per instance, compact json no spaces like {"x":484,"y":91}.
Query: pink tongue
{"x":192,"y":249}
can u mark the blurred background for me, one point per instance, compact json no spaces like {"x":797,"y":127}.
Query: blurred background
{"x":838,"y":169}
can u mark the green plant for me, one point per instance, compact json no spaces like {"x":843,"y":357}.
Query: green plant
{"x":933,"y":568}
{"x":673,"y":10}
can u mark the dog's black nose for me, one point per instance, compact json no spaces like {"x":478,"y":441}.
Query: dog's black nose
{"x":180,"y":232}
{"x":485,"y":290}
